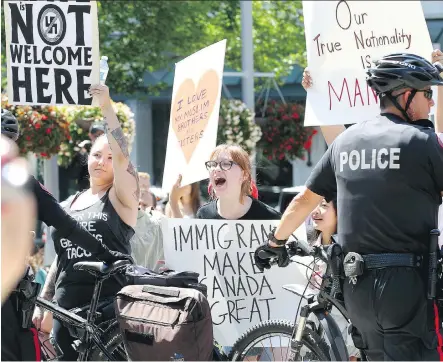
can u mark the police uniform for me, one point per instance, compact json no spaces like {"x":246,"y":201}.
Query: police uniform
{"x":387,"y":175}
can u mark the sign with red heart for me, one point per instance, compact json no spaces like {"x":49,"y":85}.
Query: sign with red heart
{"x":193,"y":121}
{"x":191,"y":110}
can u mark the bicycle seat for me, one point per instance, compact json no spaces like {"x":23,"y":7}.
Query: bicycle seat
{"x":100,"y":268}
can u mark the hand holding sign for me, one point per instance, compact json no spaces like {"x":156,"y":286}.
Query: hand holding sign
{"x":101,"y":94}
{"x":191,"y":110}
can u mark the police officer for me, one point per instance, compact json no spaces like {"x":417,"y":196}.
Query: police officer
{"x":387,"y":174}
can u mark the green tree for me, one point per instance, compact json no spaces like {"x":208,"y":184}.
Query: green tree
{"x":147,"y":36}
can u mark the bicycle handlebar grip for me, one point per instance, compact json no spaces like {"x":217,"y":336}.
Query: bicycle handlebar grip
{"x":433,"y":259}
{"x":262,"y":254}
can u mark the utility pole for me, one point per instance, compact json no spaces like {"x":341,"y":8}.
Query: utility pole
{"x":247,"y":57}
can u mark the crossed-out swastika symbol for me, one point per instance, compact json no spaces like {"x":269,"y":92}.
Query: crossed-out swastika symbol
{"x":50,"y":23}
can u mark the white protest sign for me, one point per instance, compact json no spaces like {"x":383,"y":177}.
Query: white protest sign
{"x":52,"y":51}
{"x":342,"y":40}
{"x":222,"y":252}
{"x":194,"y":115}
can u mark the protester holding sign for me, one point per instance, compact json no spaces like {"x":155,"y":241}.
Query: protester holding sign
{"x":108,"y":209}
{"x":183,"y":201}
{"x":379,"y":169}
{"x":230,"y":177}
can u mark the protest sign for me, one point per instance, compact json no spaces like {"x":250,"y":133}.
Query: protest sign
{"x":343,"y":38}
{"x":194,"y":115}
{"x":222,"y":252}
{"x":52,"y":51}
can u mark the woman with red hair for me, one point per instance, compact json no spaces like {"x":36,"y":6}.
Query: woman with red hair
{"x":234,"y":194}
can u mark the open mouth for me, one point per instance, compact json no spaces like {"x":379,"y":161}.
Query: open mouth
{"x":219,"y":181}
{"x":317,"y":218}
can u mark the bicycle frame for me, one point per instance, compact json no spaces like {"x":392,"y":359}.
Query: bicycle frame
{"x":89,"y":333}
{"x":320,"y":305}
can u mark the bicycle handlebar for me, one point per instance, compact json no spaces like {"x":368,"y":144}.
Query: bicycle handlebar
{"x":298,"y":248}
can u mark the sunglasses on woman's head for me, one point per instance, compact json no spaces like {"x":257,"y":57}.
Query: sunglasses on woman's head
{"x":225,"y":165}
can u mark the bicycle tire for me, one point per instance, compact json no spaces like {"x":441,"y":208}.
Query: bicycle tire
{"x":112,"y":342}
{"x":311,"y":340}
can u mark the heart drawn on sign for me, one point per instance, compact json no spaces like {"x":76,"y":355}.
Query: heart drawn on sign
{"x":192,"y":109}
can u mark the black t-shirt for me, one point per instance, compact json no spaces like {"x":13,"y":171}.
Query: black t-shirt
{"x":257,"y":211}
{"x":75,"y":288}
{"x":387,"y":176}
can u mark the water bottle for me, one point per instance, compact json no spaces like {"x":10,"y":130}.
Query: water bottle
{"x":104,"y":69}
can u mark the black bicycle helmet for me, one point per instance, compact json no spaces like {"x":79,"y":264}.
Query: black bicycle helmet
{"x":399,"y":71}
{"x":10,"y":127}
{"x":402,"y":70}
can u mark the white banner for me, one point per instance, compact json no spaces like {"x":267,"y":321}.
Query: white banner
{"x":342,"y":40}
{"x":222,"y":252}
{"x":52,"y":51}
{"x":194,"y":115}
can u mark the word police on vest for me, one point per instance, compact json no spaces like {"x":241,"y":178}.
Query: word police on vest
{"x":370,"y":159}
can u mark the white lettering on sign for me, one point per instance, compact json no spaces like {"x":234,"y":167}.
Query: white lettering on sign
{"x":375,"y":159}
{"x":222,"y":252}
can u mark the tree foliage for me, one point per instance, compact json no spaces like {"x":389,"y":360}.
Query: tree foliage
{"x":148,"y":36}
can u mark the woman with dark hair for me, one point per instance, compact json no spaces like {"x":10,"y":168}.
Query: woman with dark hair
{"x":324,"y":221}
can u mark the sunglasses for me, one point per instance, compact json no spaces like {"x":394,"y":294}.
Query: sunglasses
{"x":224,"y":165}
{"x":426,"y":92}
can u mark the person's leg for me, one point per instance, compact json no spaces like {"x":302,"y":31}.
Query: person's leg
{"x":359,"y":304}
{"x":64,"y":341}
{"x":10,"y":332}
{"x":405,"y":315}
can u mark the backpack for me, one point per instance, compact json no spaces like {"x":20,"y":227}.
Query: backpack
{"x":164,"y":323}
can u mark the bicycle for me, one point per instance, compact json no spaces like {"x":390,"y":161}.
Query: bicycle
{"x":305,"y":333}
{"x":102,"y":341}
{"x":97,"y":339}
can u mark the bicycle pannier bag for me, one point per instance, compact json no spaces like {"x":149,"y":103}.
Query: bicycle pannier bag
{"x":165,"y":323}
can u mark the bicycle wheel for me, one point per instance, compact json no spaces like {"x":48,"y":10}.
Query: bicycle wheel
{"x":250,"y":346}
{"x":114,"y":345}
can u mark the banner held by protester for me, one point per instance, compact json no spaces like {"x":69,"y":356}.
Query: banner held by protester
{"x":52,"y":51}
{"x":194,"y":115}
{"x":342,"y":44}
{"x":222,"y":252}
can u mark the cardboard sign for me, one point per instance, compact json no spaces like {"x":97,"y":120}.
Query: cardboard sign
{"x":194,"y":115}
{"x":52,"y":51}
{"x":343,"y":38}
{"x":222,"y":252}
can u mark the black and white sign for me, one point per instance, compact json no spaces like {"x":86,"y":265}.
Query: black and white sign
{"x":222,"y":252}
{"x":52,"y":51}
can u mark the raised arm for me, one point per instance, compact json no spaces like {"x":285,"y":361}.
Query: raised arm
{"x":126,"y":183}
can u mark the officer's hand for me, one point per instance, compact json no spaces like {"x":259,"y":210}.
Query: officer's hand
{"x":280,"y":253}
{"x":307,"y":80}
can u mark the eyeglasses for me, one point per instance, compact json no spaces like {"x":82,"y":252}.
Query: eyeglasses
{"x":224,"y":165}
{"x":426,"y":92}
